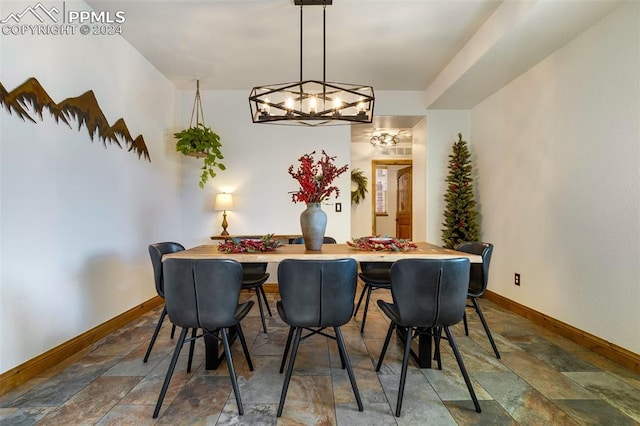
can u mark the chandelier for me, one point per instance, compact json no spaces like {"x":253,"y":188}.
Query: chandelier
{"x":312,"y":102}
{"x":384,"y":140}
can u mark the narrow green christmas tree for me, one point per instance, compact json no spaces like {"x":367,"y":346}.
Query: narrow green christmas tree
{"x":460,"y":214}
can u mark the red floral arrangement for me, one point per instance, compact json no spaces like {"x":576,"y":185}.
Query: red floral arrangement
{"x":235,"y":245}
{"x":316,"y":178}
{"x":377,"y":243}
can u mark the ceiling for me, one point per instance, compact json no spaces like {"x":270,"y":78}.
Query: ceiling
{"x":457,"y":51}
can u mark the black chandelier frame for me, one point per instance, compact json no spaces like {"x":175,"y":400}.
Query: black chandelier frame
{"x":312,"y":102}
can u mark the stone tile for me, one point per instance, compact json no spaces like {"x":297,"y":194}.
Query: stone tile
{"x":200,"y":401}
{"x":548,"y":381}
{"x":320,"y":391}
{"x":593,"y":412}
{"x":254,"y":414}
{"x":420,"y":401}
{"x":449,"y":383}
{"x":15,"y":393}
{"x":91,"y":403}
{"x":492,"y":413}
{"x":392,"y":363}
{"x":476,"y":359}
{"x":270,"y":343}
{"x":309,"y":402}
{"x":624,"y":397}
{"x":64,"y":385}
{"x":366,"y":379}
{"x":123,"y":342}
{"x":264,"y":384}
{"x":23,"y":416}
{"x":133,"y":365}
{"x":522,"y":402}
{"x":630,"y":377}
{"x":147,"y":391}
{"x":555,"y":356}
{"x":374,"y":414}
{"x":128,"y":415}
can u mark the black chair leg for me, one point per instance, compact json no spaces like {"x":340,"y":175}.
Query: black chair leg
{"x":155,"y":333}
{"x":264,"y":324}
{"x":486,"y":327}
{"x":172,"y":366}
{"x":392,"y":326}
{"x":366,"y":308}
{"x":437,"y":336}
{"x":345,"y":356}
{"x":403,"y":372}
{"x":287,"y":378}
{"x":463,"y":370}
{"x":466,"y":326}
{"x":173,"y":330}
{"x":232,"y":372}
{"x":266,"y":302}
{"x":286,"y":350}
{"x":364,"y":289}
{"x":191,"y":348}
{"x":243,"y":342}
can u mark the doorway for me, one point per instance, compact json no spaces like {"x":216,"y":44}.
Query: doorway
{"x":391,"y":198}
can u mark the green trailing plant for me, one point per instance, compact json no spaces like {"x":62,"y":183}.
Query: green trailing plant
{"x":460,"y":214}
{"x":360,"y":180}
{"x":201,"y":141}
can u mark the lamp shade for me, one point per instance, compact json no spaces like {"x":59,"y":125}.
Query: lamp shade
{"x":224,"y":201}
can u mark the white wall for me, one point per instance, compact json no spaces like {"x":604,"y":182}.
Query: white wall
{"x":558,"y":154}
{"x":257,"y":157}
{"x":419,"y":181}
{"x":77,"y":217}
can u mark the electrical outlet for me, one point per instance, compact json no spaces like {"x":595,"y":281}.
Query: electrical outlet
{"x":516,"y":279}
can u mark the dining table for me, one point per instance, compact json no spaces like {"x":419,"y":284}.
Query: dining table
{"x":422,"y":250}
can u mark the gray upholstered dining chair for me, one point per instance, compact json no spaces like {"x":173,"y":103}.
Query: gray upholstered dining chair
{"x":374,"y":275}
{"x":156,"y":251}
{"x":316,"y":295}
{"x":254,"y":275}
{"x":478,"y":281}
{"x":428,"y":295}
{"x":204,"y":294}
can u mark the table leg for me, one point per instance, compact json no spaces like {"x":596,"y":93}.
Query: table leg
{"x":214,"y":351}
{"x":423,"y":357}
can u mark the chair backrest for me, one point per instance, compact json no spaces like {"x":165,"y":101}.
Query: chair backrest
{"x":254,"y":268}
{"x":317,"y":293}
{"x":156,"y":251}
{"x":380,"y":270}
{"x":479,"y":272}
{"x":325,"y":240}
{"x":430,"y":292}
{"x":202,"y":293}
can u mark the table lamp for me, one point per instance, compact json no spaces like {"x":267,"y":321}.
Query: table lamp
{"x":224,"y":202}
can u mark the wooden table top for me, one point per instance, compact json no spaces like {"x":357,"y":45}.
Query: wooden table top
{"x":329,"y":251}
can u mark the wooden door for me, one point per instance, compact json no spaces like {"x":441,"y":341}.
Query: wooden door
{"x":404,"y":201}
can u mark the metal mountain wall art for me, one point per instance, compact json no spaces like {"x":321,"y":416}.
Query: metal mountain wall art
{"x":84,"y":109}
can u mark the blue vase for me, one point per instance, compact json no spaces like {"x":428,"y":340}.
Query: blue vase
{"x":313,"y":222}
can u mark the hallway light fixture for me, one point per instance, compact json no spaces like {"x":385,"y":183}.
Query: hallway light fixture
{"x":312,"y":102}
{"x":384,"y":140}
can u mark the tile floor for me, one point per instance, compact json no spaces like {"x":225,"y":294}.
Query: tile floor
{"x":542,"y":378}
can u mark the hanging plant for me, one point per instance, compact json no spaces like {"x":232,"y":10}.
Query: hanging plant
{"x":200,"y":141}
{"x":360,"y":181}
